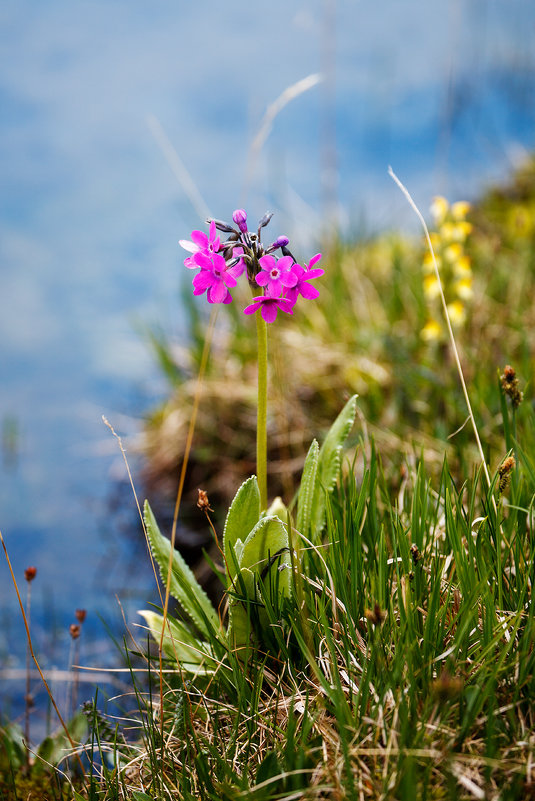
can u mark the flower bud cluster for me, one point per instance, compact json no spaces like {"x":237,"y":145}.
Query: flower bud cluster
{"x":272,"y":270}
{"x":448,"y":243}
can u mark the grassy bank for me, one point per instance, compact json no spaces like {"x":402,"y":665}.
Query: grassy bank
{"x":382,"y":646}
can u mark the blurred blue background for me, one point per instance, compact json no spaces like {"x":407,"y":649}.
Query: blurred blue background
{"x":122,"y":124}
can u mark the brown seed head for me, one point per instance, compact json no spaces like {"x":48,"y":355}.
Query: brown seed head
{"x":504,"y":471}
{"x":80,"y":615}
{"x":415,"y":553}
{"x":74,"y":630}
{"x":446,"y":687}
{"x":509,"y":383}
{"x":30,"y":573}
{"x":203,"y":503}
{"x":375,"y":616}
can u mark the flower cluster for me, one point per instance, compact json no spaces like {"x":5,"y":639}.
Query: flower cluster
{"x":448,"y":242}
{"x":278,"y":280}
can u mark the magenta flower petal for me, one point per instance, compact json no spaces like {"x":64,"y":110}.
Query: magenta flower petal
{"x":307,"y":291}
{"x":202,"y":259}
{"x":269,"y":312}
{"x":200,"y":239}
{"x":187,"y":245}
{"x":267,"y":262}
{"x":314,"y":273}
{"x":269,"y":307}
{"x":262,"y":278}
{"x":202,"y":281}
{"x":285,"y":263}
{"x":237,"y":270}
{"x":288,"y":279}
{"x":254,"y":306}
{"x":217,"y":293}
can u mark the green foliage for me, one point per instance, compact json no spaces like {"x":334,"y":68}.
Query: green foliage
{"x":183,"y":585}
{"x":328,"y":465}
{"x":258,"y":561}
{"x":242,"y":517}
{"x":264,"y":575}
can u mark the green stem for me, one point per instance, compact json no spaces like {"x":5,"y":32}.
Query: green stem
{"x":261,"y":419}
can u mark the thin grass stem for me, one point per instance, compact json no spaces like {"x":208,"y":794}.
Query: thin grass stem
{"x":29,"y":638}
{"x":448,"y":322}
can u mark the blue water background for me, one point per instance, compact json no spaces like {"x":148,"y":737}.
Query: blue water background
{"x":91,"y":213}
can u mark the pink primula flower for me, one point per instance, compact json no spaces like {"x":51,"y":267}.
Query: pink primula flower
{"x":269,"y":306}
{"x":302,"y":287}
{"x":215,"y":276}
{"x":276,"y":274}
{"x":201,"y":243}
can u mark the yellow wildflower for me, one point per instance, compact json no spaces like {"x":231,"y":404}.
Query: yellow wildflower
{"x":429,"y":265}
{"x":461,"y":230}
{"x":435,"y":240}
{"x":439,"y":209}
{"x":447,"y":232}
{"x":453,"y":252}
{"x":463,"y":288}
{"x":432,"y":331}
{"x":462,"y":268}
{"x":460,"y":209}
{"x":456,"y":312}
{"x":431,"y":286}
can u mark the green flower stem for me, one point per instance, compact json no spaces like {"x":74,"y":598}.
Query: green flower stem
{"x":261,"y":419}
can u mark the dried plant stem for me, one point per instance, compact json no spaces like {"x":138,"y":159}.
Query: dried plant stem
{"x":28,"y":699}
{"x":261,"y":414}
{"x":27,"y":627}
{"x":448,"y":323}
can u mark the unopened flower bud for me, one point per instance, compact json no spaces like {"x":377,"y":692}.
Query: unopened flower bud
{"x":74,"y":630}
{"x":240,"y":218}
{"x":30,"y":573}
{"x":222,"y":226}
{"x":80,"y":615}
{"x":265,"y":219}
{"x":286,"y":252}
{"x":280,"y":242}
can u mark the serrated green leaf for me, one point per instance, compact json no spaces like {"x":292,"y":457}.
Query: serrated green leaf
{"x":306,"y":489}
{"x":329,"y":460}
{"x":242,"y":517}
{"x":179,"y":643}
{"x":267,"y":538}
{"x":183,"y":585}
{"x":240,"y":625}
{"x":265,"y":566}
